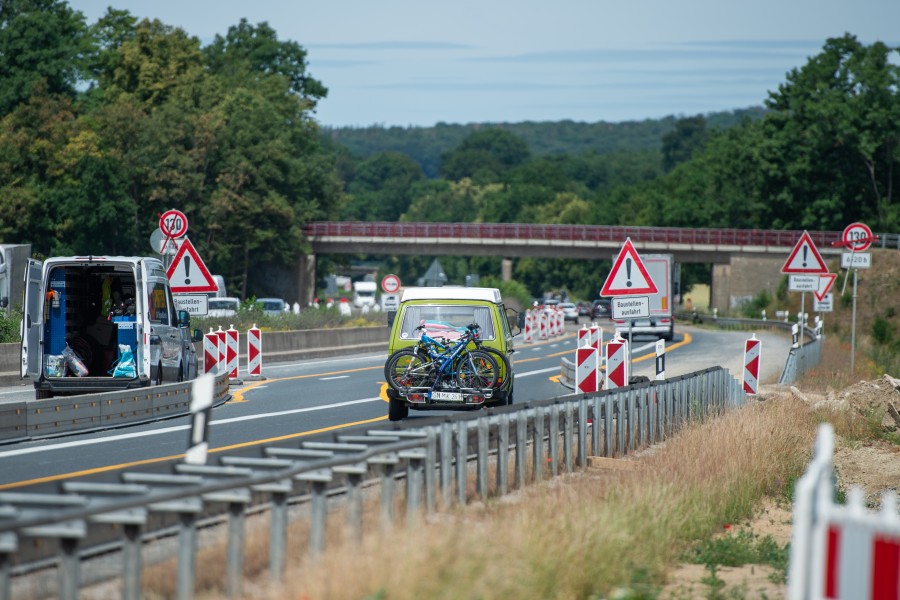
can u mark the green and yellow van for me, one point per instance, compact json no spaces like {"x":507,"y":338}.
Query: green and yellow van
{"x":445,"y":312}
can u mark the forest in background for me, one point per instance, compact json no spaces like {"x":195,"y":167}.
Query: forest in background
{"x":103,"y":126}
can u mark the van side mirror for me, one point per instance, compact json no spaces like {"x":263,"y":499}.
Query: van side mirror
{"x":184,"y":318}
{"x":516,"y":320}
{"x":197,"y":336}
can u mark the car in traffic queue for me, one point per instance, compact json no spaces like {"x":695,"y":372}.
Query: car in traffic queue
{"x":570,"y":311}
{"x":601,"y":308}
{"x":445,"y":312}
{"x":223,"y":307}
{"x":272,"y":306}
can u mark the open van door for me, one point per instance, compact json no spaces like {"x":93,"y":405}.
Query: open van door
{"x":32,"y":321}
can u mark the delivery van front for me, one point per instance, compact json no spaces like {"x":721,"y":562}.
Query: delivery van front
{"x":101,"y":323}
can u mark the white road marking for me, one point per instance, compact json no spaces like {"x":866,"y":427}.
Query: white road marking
{"x":335,"y":377}
{"x":167,"y":430}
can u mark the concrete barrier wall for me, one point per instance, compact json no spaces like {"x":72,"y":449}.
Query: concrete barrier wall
{"x":276,"y":346}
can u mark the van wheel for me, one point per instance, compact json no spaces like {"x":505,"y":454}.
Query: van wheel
{"x":158,"y":374}
{"x":42,"y":394}
{"x":180,"y":372}
{"x":397,"y":409}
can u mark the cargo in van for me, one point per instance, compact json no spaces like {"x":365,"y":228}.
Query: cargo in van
{"x":102,"y":323}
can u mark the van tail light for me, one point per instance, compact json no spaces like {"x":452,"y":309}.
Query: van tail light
{"x":416,"y":398}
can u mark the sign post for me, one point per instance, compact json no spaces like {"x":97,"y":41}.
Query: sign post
{"x":629,"y":277}
{"x":857,"y":237}
{"x":804,"y":260}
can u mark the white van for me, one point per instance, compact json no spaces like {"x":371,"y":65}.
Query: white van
{"x":84,"y":314}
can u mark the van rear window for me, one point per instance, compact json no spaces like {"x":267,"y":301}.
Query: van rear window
{"x":446,"y":321}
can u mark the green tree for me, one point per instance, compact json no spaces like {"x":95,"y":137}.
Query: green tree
{"x":485,"y":156}
{"x":680,"y":144}
{"x":40,"y":40}
{"x":834,"y":131}
{"x":257,"y":49}
{"x":381,"y":189}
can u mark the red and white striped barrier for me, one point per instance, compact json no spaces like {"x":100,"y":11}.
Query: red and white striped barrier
{"x":528,"y":334}
{"x":231,"y":354}
{"x":587,"y":369}
{"x":543,"y":325}
{"x":596,"y":333}
{"x":584,"y":337}
{"x":752,"y":352}
{"x":222,"y":350}
{"x":616,"y":363}
{"x":211,"y":352}
{"x":841,"y":552}
{"x":254,"y":353}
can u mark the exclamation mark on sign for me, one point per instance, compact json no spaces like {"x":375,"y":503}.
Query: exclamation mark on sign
{"x":628,"y":272}
{"x":805,"y":252}
{"x":187,"y":270}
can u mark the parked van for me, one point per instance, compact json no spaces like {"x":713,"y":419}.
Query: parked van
{"x":445,"y":312}
{"x":85,"y":315}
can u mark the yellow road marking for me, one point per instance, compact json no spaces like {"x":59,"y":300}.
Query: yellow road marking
{"x":151,"y":461}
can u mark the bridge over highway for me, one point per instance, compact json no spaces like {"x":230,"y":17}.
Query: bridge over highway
{"x":744,"y":260}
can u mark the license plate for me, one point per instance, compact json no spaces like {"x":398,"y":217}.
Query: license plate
{"x":642,"y":323}
{"x":447,"y":396}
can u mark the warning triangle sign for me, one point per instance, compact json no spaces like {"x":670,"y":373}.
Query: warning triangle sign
{"x":825,"y":282}
{"x":805,"y":258}
{"x":187,"y":273}
{"x":628,"y":276}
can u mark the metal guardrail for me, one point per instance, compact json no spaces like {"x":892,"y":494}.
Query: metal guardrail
{"x":31,"y":419}
{"x":544,"y":438}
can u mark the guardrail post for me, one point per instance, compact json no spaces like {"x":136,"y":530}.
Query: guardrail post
{"x":234,"y":554}
{"x":278,"y":536}
{"x":69,"y":567}
{"x":521,"y":448}
{"x":430,"y":469}
{"x":653,"y":414}
{"x":503,"y":455}
{"x":318,"y":509}
{"x":554,"y":439}
{"x":569,"y":426}
{"x":641,"y":416}
{"x":462,"y":461}
{"x":621,"y":418}
{"x":483,"y":452}
{"x":596,"y":425}
{"x":608,"y":416}
{"x":415,"y":466}
{"x":187,"y":547}
{"x":538,"y":445}
{"x":582,"y":432}
{"x":447,"y":463}
{"x":131,"y":562}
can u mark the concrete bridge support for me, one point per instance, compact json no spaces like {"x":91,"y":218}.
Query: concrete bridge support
{"x":506,"y":269}
{"x":306,"y":278}
{"x":741,"y":279}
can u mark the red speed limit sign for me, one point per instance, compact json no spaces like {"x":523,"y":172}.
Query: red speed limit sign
{"x":173,"y":223}
{"x":857,"y":237}
{"x":390,"y":284}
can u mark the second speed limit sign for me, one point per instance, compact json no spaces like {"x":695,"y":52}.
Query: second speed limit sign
{"x":857,"y":237}
{"x":173,"y":223}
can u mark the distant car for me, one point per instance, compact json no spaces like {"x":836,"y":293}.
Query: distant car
{"x":584,"y":309}
{"x":570,"y":311}
{"x":272,"y":306}
{"x":601,"y":309}
{"x":223,"y":307}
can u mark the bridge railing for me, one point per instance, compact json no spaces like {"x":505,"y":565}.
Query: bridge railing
{"x":585,"y":233}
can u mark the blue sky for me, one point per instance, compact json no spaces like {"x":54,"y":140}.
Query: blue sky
{"x":415,"y":62}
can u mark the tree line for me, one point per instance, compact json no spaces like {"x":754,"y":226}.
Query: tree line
{"x":104,"y":126}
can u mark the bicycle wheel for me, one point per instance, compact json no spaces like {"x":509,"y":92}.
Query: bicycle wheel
{"x":477,"y":370}
{"x":502,"y":361}
{"x":407,"y":369}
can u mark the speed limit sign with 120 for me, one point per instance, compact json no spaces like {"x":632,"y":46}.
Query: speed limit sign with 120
{"x":173,"y":223}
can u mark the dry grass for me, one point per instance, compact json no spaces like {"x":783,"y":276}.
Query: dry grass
{"x":580,"y":536}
